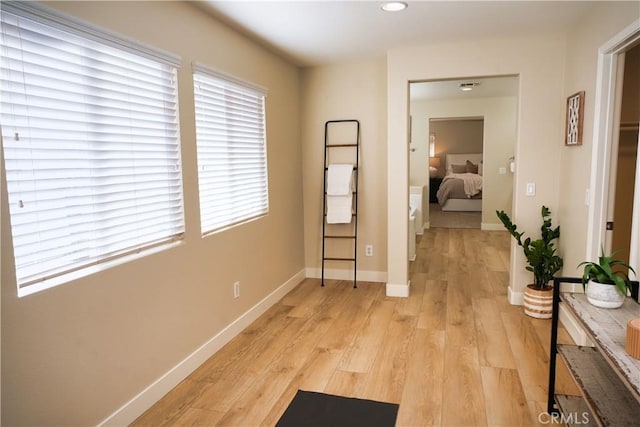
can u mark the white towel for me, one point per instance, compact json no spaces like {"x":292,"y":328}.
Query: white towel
{"x":339,"y":178}
{"x":339,"y":209}
{"x":339,"y":193}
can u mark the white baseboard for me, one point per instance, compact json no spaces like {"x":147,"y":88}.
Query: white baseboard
{"x":571,"y":287}
{"x":573,"y":327}
{"x":147,"y":397}
{"x":339,"y":274}
{"x":398,"y":290}
{"x":491,"y":226}
{"x":568,"y":321}
{"x":515,"y":298}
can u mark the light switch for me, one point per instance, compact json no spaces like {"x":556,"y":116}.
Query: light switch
{"x":531,"y":189}
{"x":502,"y":171}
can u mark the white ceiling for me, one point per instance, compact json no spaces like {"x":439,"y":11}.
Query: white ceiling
{"x":312,"y":33}
{"x":450,"y":89}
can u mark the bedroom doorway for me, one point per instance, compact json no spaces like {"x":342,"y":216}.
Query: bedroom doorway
{"x":455,"y":172}
{"x":489,"y":103}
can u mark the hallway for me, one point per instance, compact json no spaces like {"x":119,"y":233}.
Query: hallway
{"x":454,"y":353}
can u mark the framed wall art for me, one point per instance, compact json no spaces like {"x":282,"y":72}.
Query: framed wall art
{"x":575,"y":115}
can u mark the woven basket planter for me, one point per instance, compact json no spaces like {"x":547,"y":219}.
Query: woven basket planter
{"x":538,"y":303}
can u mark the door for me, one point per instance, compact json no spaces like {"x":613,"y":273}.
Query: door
{"x":615,"y":181}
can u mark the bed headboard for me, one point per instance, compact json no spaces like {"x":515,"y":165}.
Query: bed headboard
{"x":461,"y":159}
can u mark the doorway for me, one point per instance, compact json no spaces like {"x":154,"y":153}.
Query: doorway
{"x":621,"y":210}
{"x":610,"y":140}
{"x":461,"y":138}
{"x":446,"y":118}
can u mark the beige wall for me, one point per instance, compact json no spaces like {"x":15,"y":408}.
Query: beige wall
{"x":499,"y":136}
{"x":335,"y":92}
{"x":459,"y":136}
{"x":600,"y":25}
{"x":539,"y":62}
{"x":74,"y":354}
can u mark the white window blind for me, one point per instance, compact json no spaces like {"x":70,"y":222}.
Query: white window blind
{"x":91,"y":148}
{"x":231,"y":145}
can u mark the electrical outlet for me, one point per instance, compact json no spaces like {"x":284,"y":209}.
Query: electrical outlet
{"x":368,"y":250}
{"x":236,"y":290}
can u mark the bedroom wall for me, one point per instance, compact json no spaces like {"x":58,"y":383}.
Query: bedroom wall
{"x":580,"y":70}
{"x":457,"y":136}
{"x":74,"y":354}
{"x":346,"y":91}
{"x":500,"y":133}
{"x":539,"y":63}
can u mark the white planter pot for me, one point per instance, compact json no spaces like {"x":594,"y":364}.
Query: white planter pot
{"x":603,"y":295}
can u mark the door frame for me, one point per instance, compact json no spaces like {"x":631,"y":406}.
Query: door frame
{"x":605,"y":137}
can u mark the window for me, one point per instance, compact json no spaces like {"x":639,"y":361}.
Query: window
{"x":232,"y":160}
{"x":91,"y":145}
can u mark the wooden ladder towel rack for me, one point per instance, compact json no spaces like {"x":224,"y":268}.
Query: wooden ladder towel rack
{"x":349,"y":148}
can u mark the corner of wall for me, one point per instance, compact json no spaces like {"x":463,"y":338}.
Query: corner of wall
{"x":150,"y":395}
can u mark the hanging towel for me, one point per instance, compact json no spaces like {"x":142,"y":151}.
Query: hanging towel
{"x":339,"y":209}
{"x":339,"y":193}
{"x":339,"y":178}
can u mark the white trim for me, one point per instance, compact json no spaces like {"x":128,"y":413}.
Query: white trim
{"x":341,"y":274}
{"x":147,"y":397}
{"x":573,"y":327}
{"x":515,"y":298}
{"x":398,"y":290}
{"x":603,"y":128}
{"x":491,"y":226}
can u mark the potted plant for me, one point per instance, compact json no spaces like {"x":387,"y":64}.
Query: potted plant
{"x":543,"y":262}
{"x":607,"y":279}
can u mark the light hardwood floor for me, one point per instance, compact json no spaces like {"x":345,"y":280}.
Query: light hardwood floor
{"x":455,"y":353}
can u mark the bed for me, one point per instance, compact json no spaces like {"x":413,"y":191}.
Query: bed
{"x":461,"y":188}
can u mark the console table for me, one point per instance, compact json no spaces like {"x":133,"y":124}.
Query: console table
{"x":608,"y":377}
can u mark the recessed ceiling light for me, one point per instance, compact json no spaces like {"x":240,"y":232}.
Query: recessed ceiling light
{"x":393,"y":6}
{"x":468,"y":86}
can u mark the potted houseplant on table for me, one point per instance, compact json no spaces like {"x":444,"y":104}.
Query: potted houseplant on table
{"x":543,"y":262}
{"x":607,"y":280}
